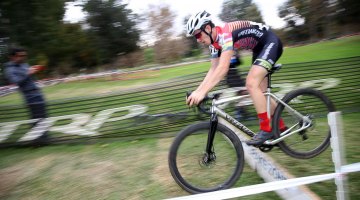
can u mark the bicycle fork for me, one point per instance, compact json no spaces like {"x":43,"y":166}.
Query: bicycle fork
{"x":209,"y":153}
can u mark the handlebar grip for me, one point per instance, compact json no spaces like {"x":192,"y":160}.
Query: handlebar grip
{"x":201,"y":105}
{"x":188,"y":93}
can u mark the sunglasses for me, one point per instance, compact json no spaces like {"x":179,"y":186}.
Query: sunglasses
{"x":198,"y":35}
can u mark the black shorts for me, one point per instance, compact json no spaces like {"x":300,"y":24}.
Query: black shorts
{"x":268,"y":51}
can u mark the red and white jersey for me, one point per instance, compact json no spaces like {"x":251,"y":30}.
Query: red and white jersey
{"x":237,"y":35}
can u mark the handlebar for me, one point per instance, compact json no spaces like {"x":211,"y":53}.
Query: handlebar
{"x":201,"y":106}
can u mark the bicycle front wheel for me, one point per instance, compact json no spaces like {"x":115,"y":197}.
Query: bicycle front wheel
{"x":315,"y":139}
{"x":192,"y":170}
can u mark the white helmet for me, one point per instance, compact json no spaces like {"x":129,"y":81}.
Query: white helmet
{"x":196,"y":21}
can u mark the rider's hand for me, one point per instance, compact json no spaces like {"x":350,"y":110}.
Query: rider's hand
{"x":195,"y":98}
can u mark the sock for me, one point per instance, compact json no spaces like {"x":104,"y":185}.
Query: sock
{"x":282,"y":125}
{"x":264,"y":122}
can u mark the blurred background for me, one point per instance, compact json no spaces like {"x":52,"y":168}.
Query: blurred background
{"x":104,"y":55}
{"x":72,"y":37}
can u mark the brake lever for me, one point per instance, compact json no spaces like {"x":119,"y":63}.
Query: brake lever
{"x":206,"y":98}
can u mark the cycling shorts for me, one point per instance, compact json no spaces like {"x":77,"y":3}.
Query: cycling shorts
{"x":267,"y":54}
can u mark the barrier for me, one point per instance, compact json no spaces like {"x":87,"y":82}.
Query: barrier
{"x":268,"y":169}
{"x":339,"y":175}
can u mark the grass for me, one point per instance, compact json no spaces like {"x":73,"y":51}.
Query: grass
{"x":118,"y":170}
{"x":138,"y":170}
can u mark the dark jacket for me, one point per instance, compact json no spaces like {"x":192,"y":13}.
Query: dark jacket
{"x":18,"y":74}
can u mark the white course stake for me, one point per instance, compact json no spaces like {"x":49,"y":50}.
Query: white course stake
{"x":338,"y":154}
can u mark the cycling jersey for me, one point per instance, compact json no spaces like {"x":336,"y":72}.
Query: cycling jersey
{"x":266,"y":46}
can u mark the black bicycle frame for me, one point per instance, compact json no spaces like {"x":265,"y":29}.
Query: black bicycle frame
{"x":214,"y":124}
{"x":211,"y":135}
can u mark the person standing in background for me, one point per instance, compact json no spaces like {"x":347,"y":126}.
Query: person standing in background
{"x":18,"y":72}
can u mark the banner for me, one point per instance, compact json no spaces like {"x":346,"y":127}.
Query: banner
{"x":159,"y":109}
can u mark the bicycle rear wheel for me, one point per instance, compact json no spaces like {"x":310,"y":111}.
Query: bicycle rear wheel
{"x":196,"y":175}
{"x":313,"y":140}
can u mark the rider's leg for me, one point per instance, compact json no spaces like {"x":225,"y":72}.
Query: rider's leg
{"x":256,"y":85}
{"x":263,"y":61}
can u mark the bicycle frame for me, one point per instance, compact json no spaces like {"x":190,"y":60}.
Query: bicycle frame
{"x":218,"y":112}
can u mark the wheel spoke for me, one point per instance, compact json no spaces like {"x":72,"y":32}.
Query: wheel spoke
{"x":197,"y":171}
{"x":314,"y":139}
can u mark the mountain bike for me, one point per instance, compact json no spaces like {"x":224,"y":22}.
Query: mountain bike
{"x":209,"y":156}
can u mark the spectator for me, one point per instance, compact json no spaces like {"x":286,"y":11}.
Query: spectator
{"x":18,"y":72}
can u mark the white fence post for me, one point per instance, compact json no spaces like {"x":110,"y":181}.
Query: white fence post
{"x":338,"y":154}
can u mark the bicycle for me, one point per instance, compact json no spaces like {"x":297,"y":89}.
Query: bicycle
{"x":197,"y":166}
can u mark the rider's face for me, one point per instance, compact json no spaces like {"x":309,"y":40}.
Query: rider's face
{"x":202,"y":37}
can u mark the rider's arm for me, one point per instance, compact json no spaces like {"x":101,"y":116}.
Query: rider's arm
{"x":216,"y":73}
{"x":214,"y":64}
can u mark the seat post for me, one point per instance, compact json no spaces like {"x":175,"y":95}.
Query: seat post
{"x":272,"y":70}
{"x":268,"y":75}
{"x":268,"y":97}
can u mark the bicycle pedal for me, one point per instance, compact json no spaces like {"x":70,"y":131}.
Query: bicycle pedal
{"x":265,"y":148}
{"x":303,"y":135}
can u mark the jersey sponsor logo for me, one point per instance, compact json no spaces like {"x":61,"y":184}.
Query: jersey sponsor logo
{"x":263,"y":63}
{"x":252,"y":31}
{"x":267,"y":51}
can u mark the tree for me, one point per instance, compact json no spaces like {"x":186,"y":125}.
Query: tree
{"x":161,"y":20}
{"x":294,"y":12}
{"x":31,"y":22}
{"x":77,"y":50}
{"x":349,"y":10}
{"x":112,"y":28}
{"x":253,"y":14}
{"x":34,"y":24}
{"x":319,"y":18}
{"x":233,"y":10}
{"x":166,"y":48}
{"x":347,"y":14}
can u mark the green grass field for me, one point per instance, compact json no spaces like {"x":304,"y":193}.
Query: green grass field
{"x":137,"y":169}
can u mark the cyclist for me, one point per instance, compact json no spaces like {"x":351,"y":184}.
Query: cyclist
{"x":223,"y":42}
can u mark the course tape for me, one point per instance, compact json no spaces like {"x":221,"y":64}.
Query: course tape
{"x":271,"y":186}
